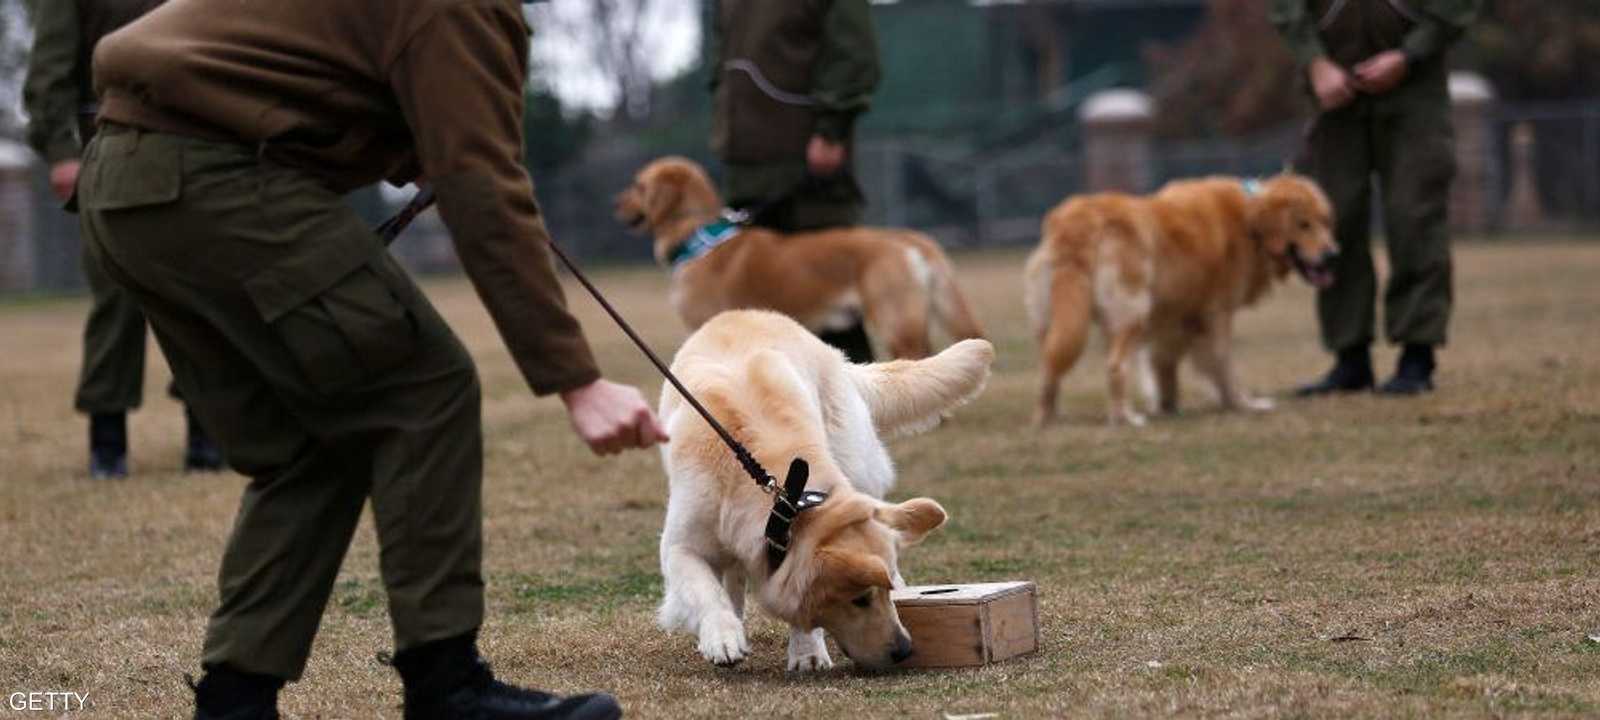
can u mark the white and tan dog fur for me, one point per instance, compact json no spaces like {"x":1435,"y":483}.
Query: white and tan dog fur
{"x":785,"y":394}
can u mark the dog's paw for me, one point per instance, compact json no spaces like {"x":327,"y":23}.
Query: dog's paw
{"x":1132,"y":418}
{"x":808,"y":651}
{"x":722,"y":640}
{"x":818,"y":660}
{"x":1258,"y":404}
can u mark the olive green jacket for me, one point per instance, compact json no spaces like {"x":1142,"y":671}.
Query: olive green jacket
{"x":1433,"y":25}
{"x":356,"y":91}
{"x":784,"y":70}
{"x":58,"y":90}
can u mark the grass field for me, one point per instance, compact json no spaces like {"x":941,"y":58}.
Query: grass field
{"x":1348,"y":557}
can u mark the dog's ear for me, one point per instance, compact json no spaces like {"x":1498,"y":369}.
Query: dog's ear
{"x":848,"y":573}
{"x":663,"y":195}
{"x":1267,"y":220}
{"x":911,"y":520}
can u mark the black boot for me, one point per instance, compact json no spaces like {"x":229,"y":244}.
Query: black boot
{"x":227,"y":694}
{"x":853,"y":341}
{"x":108,"y":445}
{"x":1413,"y":374}
{"x":200,"y":454}
{"x":1352,"y":372}
{"x":446,"y":680}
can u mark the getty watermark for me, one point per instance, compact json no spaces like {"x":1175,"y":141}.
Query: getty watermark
{"x":47,"y":701}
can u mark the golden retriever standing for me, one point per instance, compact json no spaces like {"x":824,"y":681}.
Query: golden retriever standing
{"x":898,"y":281}
{"x":1164,"y":274}
{"x":787,"y":395}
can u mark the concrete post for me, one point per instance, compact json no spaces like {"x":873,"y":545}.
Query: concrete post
{"x":18,"y":255}
{"x":1474,"y":194}
{"x":1117,"y":126}
{"x":1523,"y":208}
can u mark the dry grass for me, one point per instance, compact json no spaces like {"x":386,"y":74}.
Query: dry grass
{"x":1203,"y":566}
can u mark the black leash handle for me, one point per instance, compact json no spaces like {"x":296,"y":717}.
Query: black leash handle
{"x":391,"y":229}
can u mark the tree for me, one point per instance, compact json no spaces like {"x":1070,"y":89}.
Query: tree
{"x":553,"y":139}
{"x":1538,"y":49}
{"x":16,"y":37}
{"x":611,"y":53}
{"x":1233,"y":76}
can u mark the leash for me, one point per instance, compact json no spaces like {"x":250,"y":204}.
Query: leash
{"x":787,"y":503}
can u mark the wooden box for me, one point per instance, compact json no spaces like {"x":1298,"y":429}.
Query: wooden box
{"x":967,"y":625}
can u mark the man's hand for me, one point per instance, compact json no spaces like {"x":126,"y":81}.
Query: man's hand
{"x":1381,"y":73}
{"x":824,"y":157}
{"x":612,"y":418}
{"x":1333,"y":86}
{"x":64,"y":178}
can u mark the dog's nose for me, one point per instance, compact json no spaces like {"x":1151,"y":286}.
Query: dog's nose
{"x":1329,"y":255}
{"x":902,"y":649}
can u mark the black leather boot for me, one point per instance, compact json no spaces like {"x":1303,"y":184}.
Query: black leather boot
{"x":1413,"y":374}
{"x":228,"y":694}
{"x":1352,"y":372}
{"x":108,"y":445}
{"x":200,"y":454}
{"x":446,"y":680}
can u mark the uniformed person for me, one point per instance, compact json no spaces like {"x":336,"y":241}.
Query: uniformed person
{"x":60,"y":105}
{"x":213,"y":192}
{"x":1376,"y":69}
{"x":789,"y":79}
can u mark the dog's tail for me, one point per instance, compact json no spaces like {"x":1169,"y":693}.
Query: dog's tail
{"x":909,"y":396}
{"x":1058,"y":285}
{"x":946,"y":301}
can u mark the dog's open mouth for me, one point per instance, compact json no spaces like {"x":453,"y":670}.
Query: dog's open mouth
{"x":1317,"y":273}
{"x":1320,"y":276}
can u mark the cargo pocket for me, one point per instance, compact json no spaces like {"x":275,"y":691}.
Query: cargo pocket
{"x":345,"y":323}
{"x":131,"y":169}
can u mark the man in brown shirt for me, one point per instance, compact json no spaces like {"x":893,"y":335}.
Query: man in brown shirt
{"x":213,"y":193}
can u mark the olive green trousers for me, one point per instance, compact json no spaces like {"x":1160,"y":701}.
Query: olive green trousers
{"x":322,"y":373}
{"x":1407,"y":148}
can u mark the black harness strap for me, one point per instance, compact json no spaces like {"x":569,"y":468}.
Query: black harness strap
{"x":791,"y":500}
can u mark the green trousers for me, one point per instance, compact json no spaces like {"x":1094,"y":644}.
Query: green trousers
{"x":322,"y":373}
{"x":1408,"y":149}
{"x":111,"y":379}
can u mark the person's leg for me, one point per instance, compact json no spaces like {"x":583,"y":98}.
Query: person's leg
{"x":298,"y":345}
{"x":1340,"y":155}
{"x":327,"y":377}
{"x":821,"y":204}
{"x":111,"y":379}
{"x":1417,"y":164}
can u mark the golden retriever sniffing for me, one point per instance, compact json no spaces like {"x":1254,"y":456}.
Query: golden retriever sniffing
{"x":1164,"y":274}
{"x":898,"y":281}
{"x":787,"y":395}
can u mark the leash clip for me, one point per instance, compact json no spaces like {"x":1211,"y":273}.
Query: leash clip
{"x":736,"y":216}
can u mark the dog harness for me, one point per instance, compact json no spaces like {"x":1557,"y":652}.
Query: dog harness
{"x":787,"y":504}
{"x":705,"y":239}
